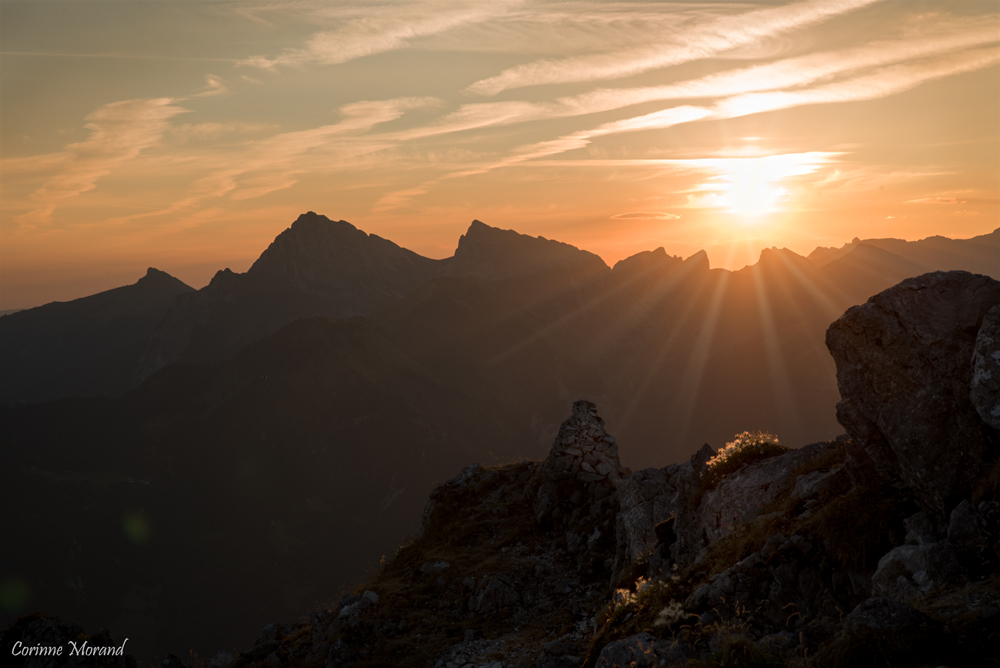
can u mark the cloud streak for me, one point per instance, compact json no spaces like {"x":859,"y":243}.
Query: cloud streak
{"x":711,"y":39}
{"x":119,"y":132}
{"x":379,"y":28}
{"x":878,"y":84}
{"x":787,"y":73}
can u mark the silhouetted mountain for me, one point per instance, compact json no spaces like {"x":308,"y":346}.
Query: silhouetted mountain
{"x":491,"y":253}
{"x":345,"y":422}
{"x":316,"y":267}
{"x":85,"y":346}
{"x":977,"y":255}
{"x":321,"y":267}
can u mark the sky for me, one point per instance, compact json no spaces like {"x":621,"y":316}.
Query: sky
{"x":187,"y":134}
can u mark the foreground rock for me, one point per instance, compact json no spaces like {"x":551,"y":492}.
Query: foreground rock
{"x":904,"y":368}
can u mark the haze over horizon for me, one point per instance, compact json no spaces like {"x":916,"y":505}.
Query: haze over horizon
{"x":187,"y":135}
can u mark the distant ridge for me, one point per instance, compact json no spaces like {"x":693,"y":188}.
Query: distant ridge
{"x":493,"y":254}
{"x":86,"y":346}
{"x":320,"y":267}
{"x":978,"y":255}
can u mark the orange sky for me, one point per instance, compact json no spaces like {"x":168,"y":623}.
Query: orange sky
{"x":186,"y":135}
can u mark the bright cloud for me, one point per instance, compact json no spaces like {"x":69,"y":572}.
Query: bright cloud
{"x":371,"y":28}
{"x":645,"y":215}
{"x":713,"y":38}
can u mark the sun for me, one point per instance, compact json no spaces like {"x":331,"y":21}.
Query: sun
{"x":752,"y":187}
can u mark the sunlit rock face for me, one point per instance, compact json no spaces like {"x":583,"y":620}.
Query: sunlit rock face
{"x":904,"y":370}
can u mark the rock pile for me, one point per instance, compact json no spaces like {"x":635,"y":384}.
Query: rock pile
{"x":573,"y":491}
{"x":583,"y":464}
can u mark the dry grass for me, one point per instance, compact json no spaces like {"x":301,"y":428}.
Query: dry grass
{"x":857,"y":528}
{"x":988,"y":487}
{"x":471,"y":534}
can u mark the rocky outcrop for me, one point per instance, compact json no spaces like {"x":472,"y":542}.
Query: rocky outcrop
{"x":508,"y":571}
{"x":905,"y":369}
{"x":748,"y":493}
{"x":706,"y":516}
{"x":936,"y":557}
{"x":646,"y":500}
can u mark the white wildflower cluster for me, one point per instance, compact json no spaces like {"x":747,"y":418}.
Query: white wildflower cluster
{"x":625,"y":597}
{"x":673,"y":613}
{"x":747,"y":441}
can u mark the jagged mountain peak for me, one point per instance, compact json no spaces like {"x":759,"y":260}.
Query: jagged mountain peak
{"x":699,"y":259}
{"x":317,"y":251}
{"x":155,"y":278}
{"x":493,"y":253}
{"x":647,"y":264}
{"x":774,"y":253}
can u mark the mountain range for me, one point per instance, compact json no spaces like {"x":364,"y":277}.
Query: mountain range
{"x":341,"y":376}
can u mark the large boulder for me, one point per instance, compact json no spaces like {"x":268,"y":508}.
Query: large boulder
{"x":904,"y":370}
{"x":645,"y":499}
{"x":985,"y":392}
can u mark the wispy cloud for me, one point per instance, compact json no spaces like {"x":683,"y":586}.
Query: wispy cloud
{"x":576,"y":140}
{"x":119,"y":132}
{"x":645,"y":215}
{"x":378,"y":27}
{"x":786,"y":73}
{"x":880,"y":83}
{"x":259,"y":167}
{"x":710,"y":39}
{"x":657,"y":120}
{"x":935,"y":200}
{"x":214,"y":86}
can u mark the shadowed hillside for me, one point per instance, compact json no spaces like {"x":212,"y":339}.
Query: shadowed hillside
{"x":86,"y":346}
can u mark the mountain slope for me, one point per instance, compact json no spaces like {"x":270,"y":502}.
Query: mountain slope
{"x":85,"y":346}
